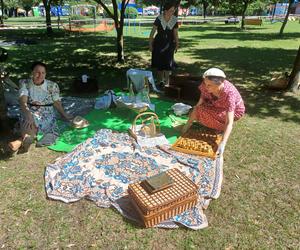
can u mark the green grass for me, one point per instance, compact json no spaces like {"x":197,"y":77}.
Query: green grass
{"x":259,"y":204}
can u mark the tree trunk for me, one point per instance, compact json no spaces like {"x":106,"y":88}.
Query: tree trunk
{"x":273,"y":12}
{"x":119,"y":25}
{"x":120,"y":37}
{"x":286,"y":17}
{"x":2,"y":13}
{"x":295,"y":70}
{"x":205,"y":5}
{"x":120,"y":44}
{"x":243,"y":14}
{"x":48,"y":20}
{"x":3,"y":110}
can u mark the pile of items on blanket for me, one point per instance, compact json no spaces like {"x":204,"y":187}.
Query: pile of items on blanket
{"x":169,"y":193}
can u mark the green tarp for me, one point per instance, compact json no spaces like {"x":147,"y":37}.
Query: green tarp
{"x":119,"y":119}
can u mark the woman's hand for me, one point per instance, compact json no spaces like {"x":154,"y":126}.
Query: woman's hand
{"x":153,"y":31}
{"x":176,"y":47}
{"x":29,"y":121}
{"x":68,"y":117}
{"x":221,"y":148}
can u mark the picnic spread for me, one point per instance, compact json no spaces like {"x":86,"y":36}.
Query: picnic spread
{"x":118,"y":159}
{"x":101,"y":168}
{"x":128,"y":153}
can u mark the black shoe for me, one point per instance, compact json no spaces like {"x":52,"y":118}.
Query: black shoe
{"x":47,"y":140}
{"x":26,"y":144}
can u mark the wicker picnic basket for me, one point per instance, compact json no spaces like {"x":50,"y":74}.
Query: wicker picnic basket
{"x":162,"y":205}
{"x":149,"y":125}
{"x":197,"y":142}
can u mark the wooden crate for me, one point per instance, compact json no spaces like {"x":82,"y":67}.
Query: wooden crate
{"x":184,"y":86}
{"x":164,"y":204}
{"x":197,"y":142}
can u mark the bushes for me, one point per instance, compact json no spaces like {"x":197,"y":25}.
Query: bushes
{"x":131,"y":12}
{"x":4,"y":17}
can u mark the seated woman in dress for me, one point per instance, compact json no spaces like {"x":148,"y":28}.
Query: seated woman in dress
{"x":38,"y":97}
{"x":220,"y":104}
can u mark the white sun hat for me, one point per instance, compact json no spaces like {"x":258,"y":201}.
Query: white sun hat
{"x":214,"y":72}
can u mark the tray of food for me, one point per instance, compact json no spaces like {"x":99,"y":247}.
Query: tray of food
{"x":198,"y":142}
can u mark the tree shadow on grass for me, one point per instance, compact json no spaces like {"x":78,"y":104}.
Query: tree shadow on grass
{"x":236,"y":33}
{"x":257,"y":65}
{"x":69,"y":57}
{"x":93,"y":54}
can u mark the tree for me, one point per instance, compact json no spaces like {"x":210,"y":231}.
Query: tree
{"x":148,"y":2}
{"x":286,"y":17}
{"x":238,"y":7}
{"x":12,"y":6}
{"x":27,"y":5}
{"x":2,"y":12}
{"x":205,"y":4}
{"x":47,"y":6}
{"x":3,"y":110}
{"x":119,"y":23}
{"x":295,"y":71}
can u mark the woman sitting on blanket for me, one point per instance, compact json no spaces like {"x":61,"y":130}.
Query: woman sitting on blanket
{"x":220,"y":104}
{"x":38,"y":97}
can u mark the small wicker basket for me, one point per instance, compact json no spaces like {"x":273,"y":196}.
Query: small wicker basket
{"x":162,"y":205}
{"x":149,"y":127}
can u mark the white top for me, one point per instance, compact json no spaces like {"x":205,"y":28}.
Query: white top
{"x":39,"y":93}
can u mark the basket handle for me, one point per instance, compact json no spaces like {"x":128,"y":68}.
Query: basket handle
{"x":151,"y":114}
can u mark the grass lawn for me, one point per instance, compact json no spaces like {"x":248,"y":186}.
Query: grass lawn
{"x":260,"y":200}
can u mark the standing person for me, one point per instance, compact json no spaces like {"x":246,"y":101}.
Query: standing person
{"x":220,"y":104}
{"x":165,"y":43}
{"x":38,"y":97}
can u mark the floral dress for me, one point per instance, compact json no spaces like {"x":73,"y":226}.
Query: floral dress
{"x":40,"y":102}
{"x":164,"y":44}
{"x":212,"y":112}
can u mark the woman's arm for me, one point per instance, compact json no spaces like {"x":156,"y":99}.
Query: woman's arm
{"x":152,"y":33}
{"x":28,"y":118}
{"x":176,"y":39}
{"x":228,"y":126}
{"x":200,"y":101}
{"x":192,"y":116}
{"x":227,"y":131}
{"x":58,"y":106}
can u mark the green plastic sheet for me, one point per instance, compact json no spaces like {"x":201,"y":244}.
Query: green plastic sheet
{"x":118,"y":119}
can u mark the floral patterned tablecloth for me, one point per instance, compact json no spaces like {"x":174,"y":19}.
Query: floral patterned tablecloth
{"x":101,"y":168}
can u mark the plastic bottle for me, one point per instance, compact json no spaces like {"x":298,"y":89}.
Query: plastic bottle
{"x":145,"y":91}
{"x":131,"y":92}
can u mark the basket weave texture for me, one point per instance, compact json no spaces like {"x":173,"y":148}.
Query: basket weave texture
{"x":197,"y":142}
{"x":164,"y":204}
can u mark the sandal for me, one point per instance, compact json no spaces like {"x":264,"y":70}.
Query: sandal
{"x":13,"y":147}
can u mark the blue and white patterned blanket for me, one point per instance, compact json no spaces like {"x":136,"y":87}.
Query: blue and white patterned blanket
{"x":101,"y":168}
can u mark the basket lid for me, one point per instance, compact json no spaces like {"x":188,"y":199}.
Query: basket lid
{"x":182,"y":187}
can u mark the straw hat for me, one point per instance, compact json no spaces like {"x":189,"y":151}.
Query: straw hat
{"x":79,"y":122}
{"x":214,"y":72}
